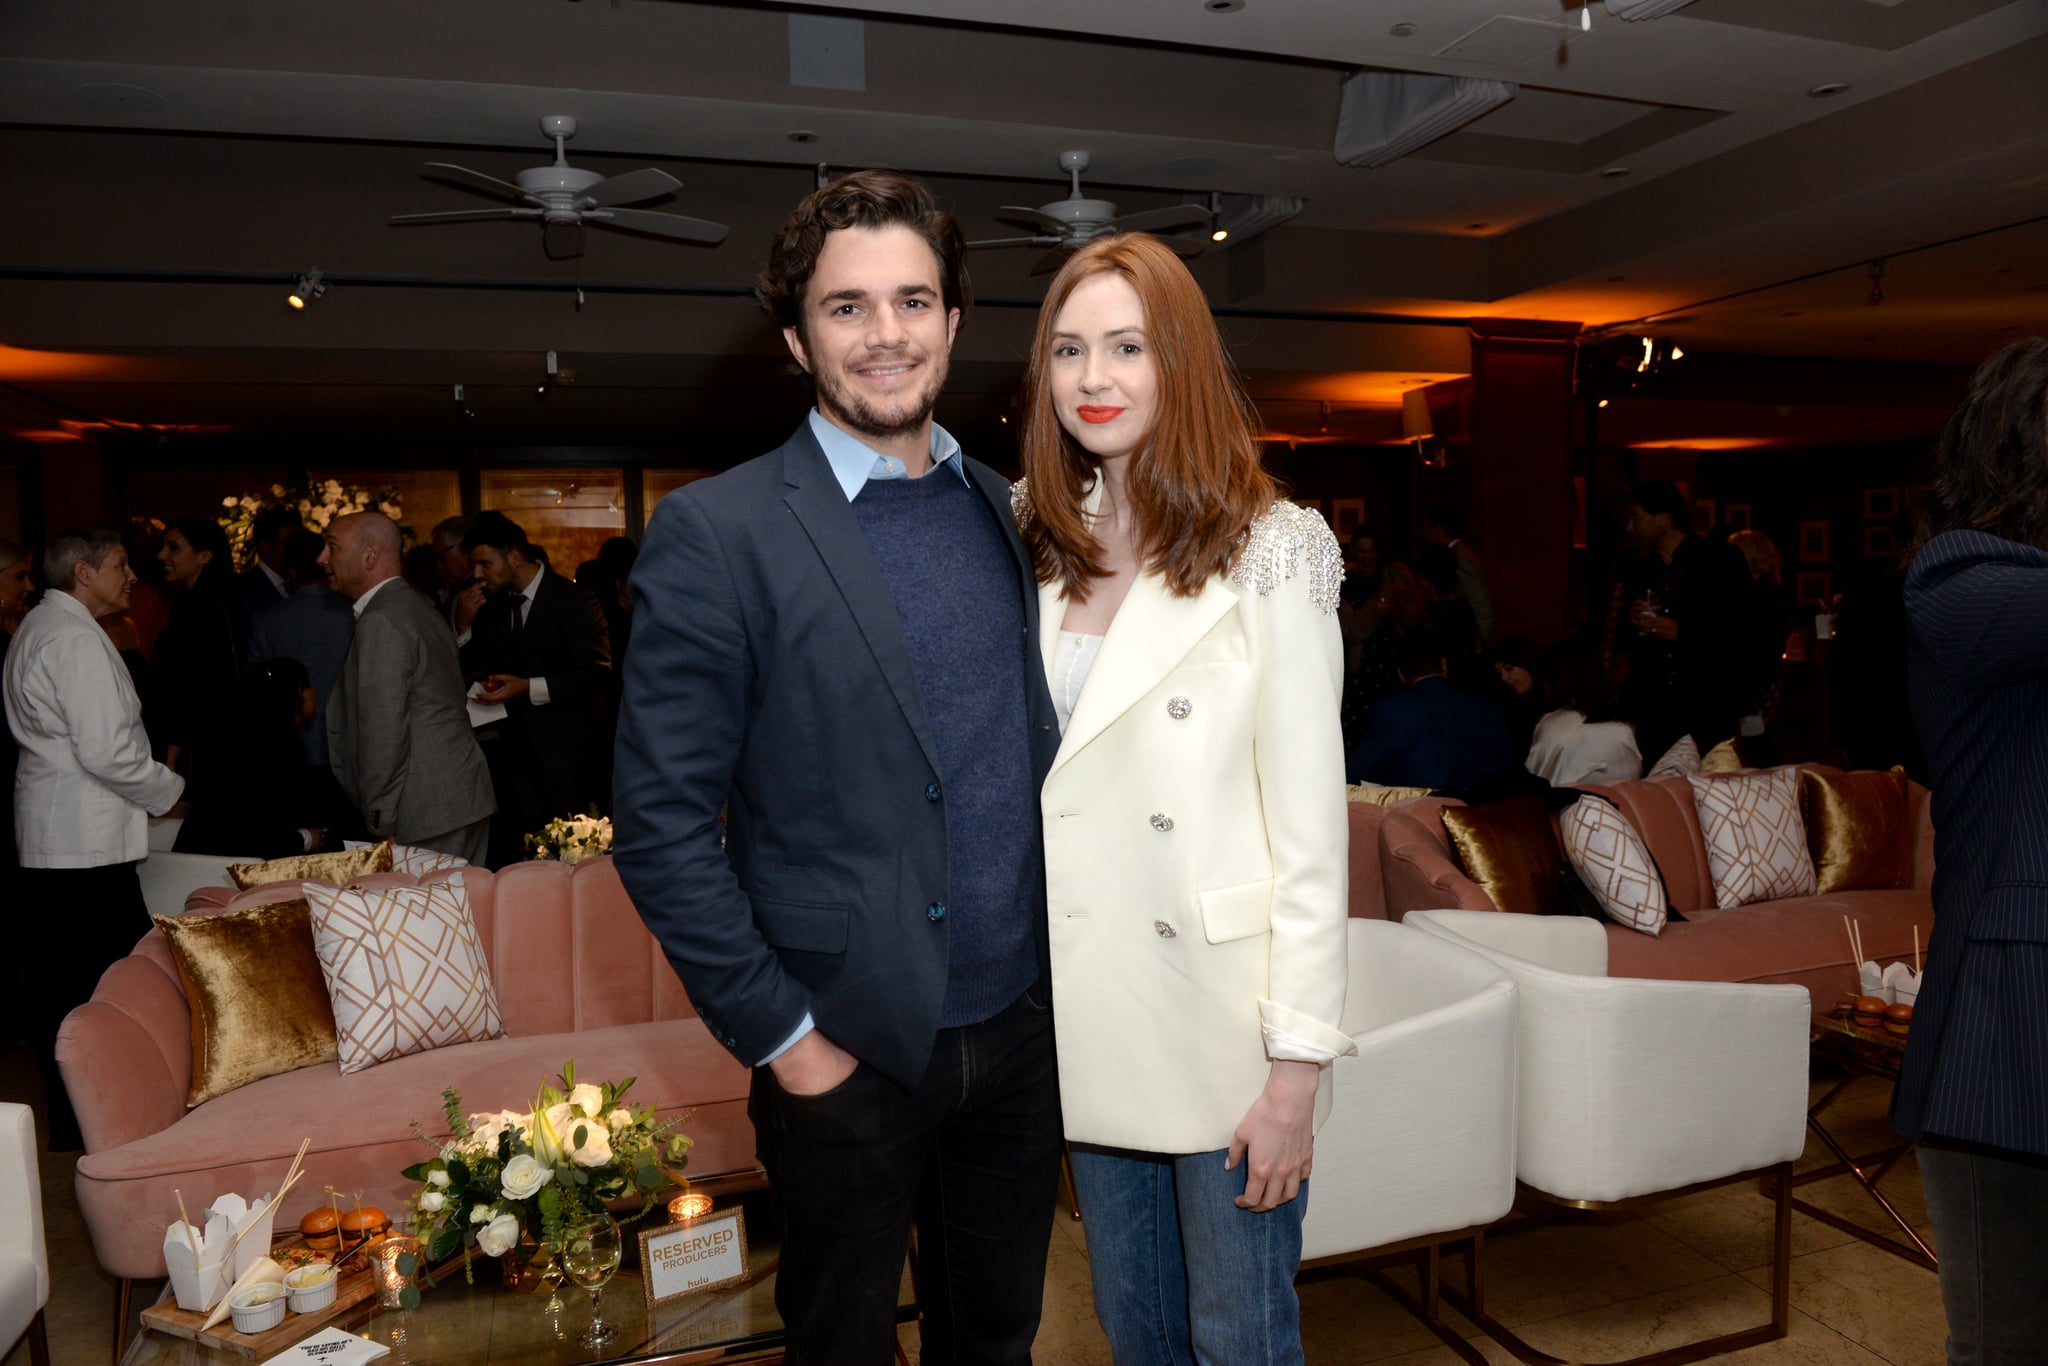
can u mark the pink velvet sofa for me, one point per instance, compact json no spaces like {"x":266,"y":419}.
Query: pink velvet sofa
{"x":577,"y":976}
{"x":1798,"y":940}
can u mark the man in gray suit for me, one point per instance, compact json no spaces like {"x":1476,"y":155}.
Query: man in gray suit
{"x":398,"y":735}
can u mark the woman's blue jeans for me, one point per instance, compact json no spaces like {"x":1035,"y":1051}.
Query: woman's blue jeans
{"x":1183,"y":1276}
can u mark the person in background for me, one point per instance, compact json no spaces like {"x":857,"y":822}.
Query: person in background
{"x":1444,"y":525}
{"x":264,"y":582}
{"x":312,"y":626}
{"x":1973,"y":1086}
{"x":261,"y":796}
{"x":615,"y":560}
{"x":1432,"y":735}
{"x":421,"y":571}
{"x":452,"y":567}
{"x":1869,"y":716}
{"x":134,"y":630}
{"x":197,"y":655}
{"x":398,"y":735}
{"x":1382,"y":602}
{"x":84,"y":793}
{"x":1447,"y":615}
{"x":1188,"y":628}
{"x":1582,"y":739}
{"x":1509,"y":677}
{"x":15,"y":590}
{"x":1763,"y":621}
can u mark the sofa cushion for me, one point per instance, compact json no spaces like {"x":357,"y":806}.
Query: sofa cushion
{"x":1661,"y":812}
{"x":1798,"y":940}
{"x":1611,"y":859}
{"x":1681,"y":759}
{"x":335,"y":867}
{"x":410,"y":858}
{"x":361,"y":1125}
{"x":259,"y":1001}
{"x":1856,"y":828}
{"x":405,"y":969}
{"x":1376,"y":795}
{"x":1510,"y":850}
{"x":1756,"y":840}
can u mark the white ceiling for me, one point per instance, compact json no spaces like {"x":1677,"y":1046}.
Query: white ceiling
{"x":177,"y":161}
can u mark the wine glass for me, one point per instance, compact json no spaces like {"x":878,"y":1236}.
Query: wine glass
{"x":590,"y":1254}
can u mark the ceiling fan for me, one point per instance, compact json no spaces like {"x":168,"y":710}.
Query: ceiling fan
{"x":565,"y":198}
{"x":1067,"y":225}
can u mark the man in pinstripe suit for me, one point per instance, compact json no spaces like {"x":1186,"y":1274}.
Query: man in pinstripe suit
{"x":1974,"y":1085}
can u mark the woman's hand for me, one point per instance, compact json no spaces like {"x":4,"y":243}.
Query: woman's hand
{"x":1276,"y":1138}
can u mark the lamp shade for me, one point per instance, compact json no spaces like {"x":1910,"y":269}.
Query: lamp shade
{"x":1415,"y":423}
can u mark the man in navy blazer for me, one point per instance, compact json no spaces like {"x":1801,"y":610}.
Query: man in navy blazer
{"x":1973,"y":1087}
{"x":1432,"y":735}
{"x":834,"y":667}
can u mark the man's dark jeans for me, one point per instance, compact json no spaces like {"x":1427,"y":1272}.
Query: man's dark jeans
{"x":1989,"y":1209}
{"x":971,"y":1156}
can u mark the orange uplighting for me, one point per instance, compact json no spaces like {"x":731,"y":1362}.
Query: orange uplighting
{"x":1704,"y":443}
{"x":19,"y":364}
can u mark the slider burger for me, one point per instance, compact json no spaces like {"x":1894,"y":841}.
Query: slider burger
{"x":362,"y":1224}
{"x":321,"y":1229}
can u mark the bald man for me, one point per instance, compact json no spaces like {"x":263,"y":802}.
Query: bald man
{"x":398,"y":735}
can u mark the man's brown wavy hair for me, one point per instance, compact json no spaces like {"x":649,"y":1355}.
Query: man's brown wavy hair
{"x":864,"y":199}
{"x":1196,"y":485}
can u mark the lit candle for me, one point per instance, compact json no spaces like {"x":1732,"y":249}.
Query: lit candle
{"x":391,"y":1282}
{"x":688,"y":1206}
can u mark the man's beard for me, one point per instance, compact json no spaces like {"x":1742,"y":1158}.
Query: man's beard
{"x":910,"y":413}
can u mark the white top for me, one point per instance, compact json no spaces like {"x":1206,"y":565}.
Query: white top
{"x":86,"y":786}
{"x":1567,"y":749}
{"x":1072,"y":658}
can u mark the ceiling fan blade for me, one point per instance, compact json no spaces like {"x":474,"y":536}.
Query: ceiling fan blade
{"x":562,"y":240}
{"x":633,"y":187}
{"x":1035,"y":220}
{"x":458,"y":215}
{"x":476,"y":180}
{"x":1043,"y":240}
{"x":1162,"y":220}
{"x":1186,"y":246}
{"x":674,"y":225}
{"x":1050,"y":262}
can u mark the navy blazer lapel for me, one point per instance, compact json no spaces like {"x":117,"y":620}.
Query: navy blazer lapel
{"x":995,"y":491}
{"x":821,"y":507}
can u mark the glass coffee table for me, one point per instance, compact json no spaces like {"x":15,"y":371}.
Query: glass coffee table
{"x":460,"y":1323}
{"x":1860,"y":1051}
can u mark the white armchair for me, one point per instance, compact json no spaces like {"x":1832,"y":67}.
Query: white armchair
{"x":1631,"y":1087}
{"x":24,"y":1263}
{"x":1419,"y":1146}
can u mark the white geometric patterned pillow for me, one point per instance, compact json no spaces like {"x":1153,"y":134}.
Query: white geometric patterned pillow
{"x":410,"y":858}
{"x":405,"y":969}
{"x":1611,"y":860}
{"x":1682,"y":760}
{"x":1756,"y":838}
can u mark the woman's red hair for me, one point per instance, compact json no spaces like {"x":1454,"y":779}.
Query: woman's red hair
{"x":1196,"y":485}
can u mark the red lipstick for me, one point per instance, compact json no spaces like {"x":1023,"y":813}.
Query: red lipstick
{"x":1098,"y":414}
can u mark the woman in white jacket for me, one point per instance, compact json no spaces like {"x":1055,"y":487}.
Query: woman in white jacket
{"x":1194,"y":817}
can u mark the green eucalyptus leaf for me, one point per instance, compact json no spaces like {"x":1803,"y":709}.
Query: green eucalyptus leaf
{"x":409,"y":1297}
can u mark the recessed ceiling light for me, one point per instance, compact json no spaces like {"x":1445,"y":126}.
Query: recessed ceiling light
{"x":1614,"y":173}
{"x":1604,"y":402}
{"x":1477,"y":227}
{"x":803,"y":135}
{"x":1403,"y":30}
{"x":1222,"y":6}
{"x":1220,"y":235}
{"x":1821,"y":92}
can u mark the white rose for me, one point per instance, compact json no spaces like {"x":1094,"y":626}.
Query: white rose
{"x":523,"y":1176}
{"x":619,"y":1118}
{"x":596,"y":1148}
{"x":587,"y":1099}
{"x":438,"y":1178}
{"x":481,"y":1214}
{"x":499,"y":1236}
{"x":431,"y":1201}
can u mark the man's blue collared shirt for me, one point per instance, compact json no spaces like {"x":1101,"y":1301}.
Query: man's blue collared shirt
{"x":854,"y":462}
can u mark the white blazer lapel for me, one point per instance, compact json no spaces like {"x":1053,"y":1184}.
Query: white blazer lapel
{"x":1153,"y":631}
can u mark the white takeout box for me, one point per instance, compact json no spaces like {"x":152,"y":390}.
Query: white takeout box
{"x":198,"y":1282}
{"x":249,"y":1228}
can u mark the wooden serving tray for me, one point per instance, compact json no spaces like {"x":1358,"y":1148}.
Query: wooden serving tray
{"x":353,"y":1287}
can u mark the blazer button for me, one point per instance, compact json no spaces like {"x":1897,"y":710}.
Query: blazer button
{"x":931,"y":792}
{"x":1161,"y":822}
{"x":935,"y":912}
{"x":1179,"y":708}
{"x":1164,"y":930}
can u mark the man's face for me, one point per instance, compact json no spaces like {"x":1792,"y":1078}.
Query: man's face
{"x":1365,"y":556}
{"x":343,"y":563}
{"x":448,"y":556}
{"x":494,"y":567}
{"x":106,"y":588}
{"x":876,"y":333}
{"x":1642,"y":530}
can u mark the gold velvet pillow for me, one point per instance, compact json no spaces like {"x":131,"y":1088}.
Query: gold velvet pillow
{"x":1722,"y":758}
{"x":1509,"y":849}
{"x":259,"y":1003}
{"x":1856,"y":829}
{"x":338,"y":868}
{"x":1372,"y":794}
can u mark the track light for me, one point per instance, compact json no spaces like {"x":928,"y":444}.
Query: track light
{"x":305,"y":289}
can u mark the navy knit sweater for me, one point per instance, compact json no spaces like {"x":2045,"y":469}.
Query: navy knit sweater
{"x":956,"y":593}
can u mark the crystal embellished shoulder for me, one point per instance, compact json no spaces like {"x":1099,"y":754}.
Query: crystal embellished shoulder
{"x":1020,"y":503}
{"x":1287,"y":539}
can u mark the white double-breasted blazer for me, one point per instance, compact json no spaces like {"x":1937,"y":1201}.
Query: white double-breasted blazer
{"x":1195,"y":841}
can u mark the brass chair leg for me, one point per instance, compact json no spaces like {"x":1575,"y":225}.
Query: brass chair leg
{"x":1472,"y":1304}
{"x":1067,"y":1180}
{"x":122,"y":1295}
{"x":38,"y":1338}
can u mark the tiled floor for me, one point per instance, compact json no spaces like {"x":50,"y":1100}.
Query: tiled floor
{"x":1612,"y":1287}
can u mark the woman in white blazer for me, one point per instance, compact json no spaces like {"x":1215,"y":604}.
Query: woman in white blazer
{"x":1194,"y":817}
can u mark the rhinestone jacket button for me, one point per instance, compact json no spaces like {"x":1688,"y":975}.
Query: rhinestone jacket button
{"x":1164,"y":930}
{"x":1179,"y":708}
{"x":1161,"y":822}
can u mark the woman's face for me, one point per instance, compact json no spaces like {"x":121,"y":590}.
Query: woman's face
{"x":1104,"y":386}
{"x":181,"y":562}
{"x":14,"y":585}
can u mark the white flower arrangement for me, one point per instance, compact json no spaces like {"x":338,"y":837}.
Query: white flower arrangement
{"x":572,"y":839}
{"x":318,"y":504}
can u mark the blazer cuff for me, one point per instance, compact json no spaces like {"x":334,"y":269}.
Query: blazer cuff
{"x":1294,"y":1037}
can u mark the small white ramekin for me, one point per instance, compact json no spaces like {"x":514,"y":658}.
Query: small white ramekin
{"x":260,"y":1316}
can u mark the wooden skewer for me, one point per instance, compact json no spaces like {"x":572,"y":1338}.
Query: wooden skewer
{"x":1916,"y":950}
{"x":186,"y":1220}
{"x":1855,"y":957}
{"x":1856,"y":928}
